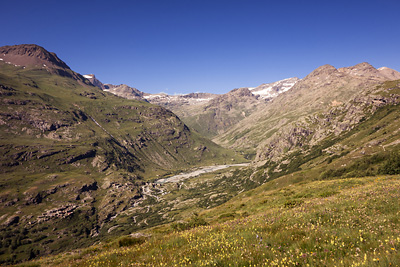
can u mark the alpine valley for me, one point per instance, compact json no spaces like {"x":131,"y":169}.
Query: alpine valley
{"x":298,"y":172}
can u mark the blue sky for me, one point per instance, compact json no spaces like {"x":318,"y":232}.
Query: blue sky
{"x":182,"y":46}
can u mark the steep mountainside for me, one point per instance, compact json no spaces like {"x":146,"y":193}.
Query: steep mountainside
{"x":323,"y":89}
{"x":121,"y":90}
{"x":182,"y":104}
{"x":92,"y":78}
{"x":220,"y":113}
{"x":208,"y":114}
{"x":81,"y":166}
{"x":213,"y":115}
{"x":34,"y":56}
{"x":124,"y":91}
{"x":334,"y":203}
{"x":74,"y":157}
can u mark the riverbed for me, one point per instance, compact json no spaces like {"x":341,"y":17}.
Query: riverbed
{"x":182,"y":176}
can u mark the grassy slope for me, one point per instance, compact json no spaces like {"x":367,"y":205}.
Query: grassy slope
{"x":54,"y":99}
{"x":51,"y":151}
{"x":312,"y":211}
{"x":308,"y":97}
{"x":350,"y":222}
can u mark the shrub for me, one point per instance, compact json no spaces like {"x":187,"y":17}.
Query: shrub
{"x":195,"y":221}
{"x":130,"y":241}
{"x":291,"y":203}
{"x":392,"y":165}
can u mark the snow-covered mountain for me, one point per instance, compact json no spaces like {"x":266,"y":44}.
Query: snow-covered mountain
{"x":271,"y":90}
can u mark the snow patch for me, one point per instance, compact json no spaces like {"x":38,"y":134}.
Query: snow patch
{"x":274,"y":89}
{"x":88,"y":76}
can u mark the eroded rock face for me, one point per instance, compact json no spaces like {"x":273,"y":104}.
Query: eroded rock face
{"x":312,"y":129}
{"x":12,"y":220}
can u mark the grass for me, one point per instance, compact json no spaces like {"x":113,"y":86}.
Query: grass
{"x":53,"y":126}
{"x":284,"y":217}
{"x":345,"y":222}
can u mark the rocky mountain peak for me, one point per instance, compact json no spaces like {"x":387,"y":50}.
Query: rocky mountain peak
{"x":35,"y":56}
{"x":366,"y":70}
{"x":391,"y":74}
{"x":244,"y":91}
{"x":92,"y":78}
{"x":124,"y":91}
{"x":324,"y":70}
{"x":363,"y":69}
{"x":30,"y":55}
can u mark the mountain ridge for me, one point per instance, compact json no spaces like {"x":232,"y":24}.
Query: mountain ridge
{"x":323,"y":88}
{"x":74,"y":158}
{"x":80,"y":165}
{"x":37,"y":57}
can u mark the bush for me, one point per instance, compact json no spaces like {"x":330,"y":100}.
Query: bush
{"x":392,"y":165}
{"x":291,"y":203}
{"x":130,"y":241}
{"x":195,"y":221}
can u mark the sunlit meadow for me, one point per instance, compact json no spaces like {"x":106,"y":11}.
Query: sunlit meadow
{"x":349,"y":222}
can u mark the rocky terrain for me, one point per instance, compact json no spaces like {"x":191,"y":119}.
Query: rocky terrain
{"x":324,"y":89}
{"x":208,"y":114}
{"x":73,"y":157}
{"x":83,"y":162}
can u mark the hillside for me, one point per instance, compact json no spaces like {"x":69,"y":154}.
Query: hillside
{"x":333,"y":206}
{"x":290,"y":116}
{"x":324,"y":223}
{"x":220,"y":113}
{"x":81,"y":167}
{"x":208,"y":114}
{"x":73,"y":157}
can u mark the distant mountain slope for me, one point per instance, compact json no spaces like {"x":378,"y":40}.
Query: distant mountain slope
{"x":212,"y":115}
{"x":324,"y":88}
{"x":337,"y":180}
{"x":124,"y":91}
{"x":220,"y":113}
{"x":74,"y":157}
{"x":34,"y":56}
{"x":94,"y":81}
{"x":208,"y":114}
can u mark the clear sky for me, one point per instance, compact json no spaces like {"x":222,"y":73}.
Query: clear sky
{"x":182,"y":46}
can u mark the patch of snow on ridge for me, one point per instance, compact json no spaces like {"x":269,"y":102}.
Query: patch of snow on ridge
{"x":272,"y":90}
{"x":88,"y":76}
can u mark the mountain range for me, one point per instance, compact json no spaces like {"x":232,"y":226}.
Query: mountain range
{"x":71,"y":152}
{"x":80,"y":159}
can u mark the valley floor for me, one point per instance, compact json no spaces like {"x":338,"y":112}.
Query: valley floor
{"x":199,"y":171}
{"x":343,"y":222}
